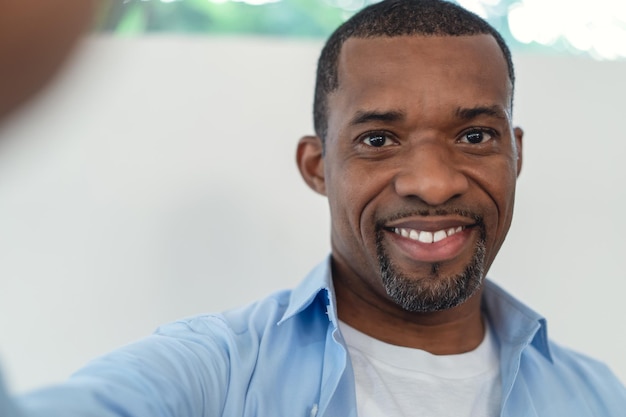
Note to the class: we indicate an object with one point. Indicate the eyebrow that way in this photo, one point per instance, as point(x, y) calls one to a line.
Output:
point(465, 113)
point(473, 112)
point(362, 117)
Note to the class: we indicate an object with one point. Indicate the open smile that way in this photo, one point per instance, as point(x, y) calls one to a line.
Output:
point(426, 236)
point(431, 240)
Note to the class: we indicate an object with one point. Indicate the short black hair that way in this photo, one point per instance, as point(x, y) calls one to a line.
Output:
point(395, 18)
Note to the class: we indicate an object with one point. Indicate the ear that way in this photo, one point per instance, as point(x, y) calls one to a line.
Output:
point(310, 159)
point(519, 135)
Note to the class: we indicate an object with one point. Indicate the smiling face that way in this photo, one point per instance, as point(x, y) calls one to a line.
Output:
point(419, 166)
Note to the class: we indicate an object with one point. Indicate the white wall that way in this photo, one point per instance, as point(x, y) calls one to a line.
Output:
point(157, 179)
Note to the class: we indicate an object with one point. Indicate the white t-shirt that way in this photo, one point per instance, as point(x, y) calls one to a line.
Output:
point(396, 381)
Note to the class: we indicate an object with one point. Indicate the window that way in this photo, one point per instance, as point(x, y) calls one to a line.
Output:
point(596, 28)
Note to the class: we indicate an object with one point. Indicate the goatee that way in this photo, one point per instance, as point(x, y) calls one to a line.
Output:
point(433, 292)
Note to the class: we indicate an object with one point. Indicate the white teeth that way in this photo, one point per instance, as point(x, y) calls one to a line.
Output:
point(439, 235)
point(425, 236)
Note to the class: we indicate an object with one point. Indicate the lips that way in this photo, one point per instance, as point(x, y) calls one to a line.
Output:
point(431, 238)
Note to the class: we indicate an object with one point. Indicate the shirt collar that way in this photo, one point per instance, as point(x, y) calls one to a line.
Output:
point(317, 281)
point(513, 322)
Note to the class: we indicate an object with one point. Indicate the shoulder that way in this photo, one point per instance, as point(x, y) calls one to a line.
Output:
point(175, 367)
point(589, 371)
point(572, 380)
point(300, 310)
point(556, 378)
point(229, 325)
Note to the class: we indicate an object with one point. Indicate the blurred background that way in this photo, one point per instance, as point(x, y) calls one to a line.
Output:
point(156, 178)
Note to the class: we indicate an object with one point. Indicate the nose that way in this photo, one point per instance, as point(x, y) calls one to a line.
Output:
point(431, 173)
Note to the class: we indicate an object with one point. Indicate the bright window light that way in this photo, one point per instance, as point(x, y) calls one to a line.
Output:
point(251, 2)
point(597, 27)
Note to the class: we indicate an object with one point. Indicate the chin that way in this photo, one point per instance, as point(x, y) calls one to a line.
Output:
point(436, 290)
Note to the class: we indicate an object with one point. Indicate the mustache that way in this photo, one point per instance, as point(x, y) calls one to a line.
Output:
point(477, 218)
point(458, 211)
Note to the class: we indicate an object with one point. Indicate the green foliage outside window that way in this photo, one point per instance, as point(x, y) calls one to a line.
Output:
point(603, 35)
point(298, 18)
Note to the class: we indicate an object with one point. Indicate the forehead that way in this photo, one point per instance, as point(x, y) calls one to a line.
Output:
point(425, 73)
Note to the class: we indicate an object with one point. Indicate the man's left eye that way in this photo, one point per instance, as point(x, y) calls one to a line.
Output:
point(477, 136)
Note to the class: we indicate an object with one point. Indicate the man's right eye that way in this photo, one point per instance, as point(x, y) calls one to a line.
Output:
point(376, 140)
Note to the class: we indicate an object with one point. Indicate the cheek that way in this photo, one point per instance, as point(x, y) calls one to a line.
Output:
point(506, 190)
point(345, 195)
point(501, 190)
point(353, 189)
point(342, 199)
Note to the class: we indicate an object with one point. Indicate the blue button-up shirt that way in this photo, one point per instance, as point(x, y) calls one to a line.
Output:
point(7, 406)
point(284, 356)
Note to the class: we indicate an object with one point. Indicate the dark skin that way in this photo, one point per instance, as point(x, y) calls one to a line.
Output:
point(35, 39)
point(420, 139)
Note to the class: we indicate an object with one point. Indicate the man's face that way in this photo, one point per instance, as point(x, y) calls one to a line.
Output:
point(420, 167)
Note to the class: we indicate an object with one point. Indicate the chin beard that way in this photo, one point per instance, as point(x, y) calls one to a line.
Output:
point(434, 292)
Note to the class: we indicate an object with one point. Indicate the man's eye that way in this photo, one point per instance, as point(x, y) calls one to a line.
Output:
point(377, 140)
point(476, 136)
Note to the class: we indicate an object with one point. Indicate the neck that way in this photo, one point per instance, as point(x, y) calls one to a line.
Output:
point(452, 331)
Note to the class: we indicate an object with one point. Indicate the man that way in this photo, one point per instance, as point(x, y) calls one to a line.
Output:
point(416, 152)
point(35, 39)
